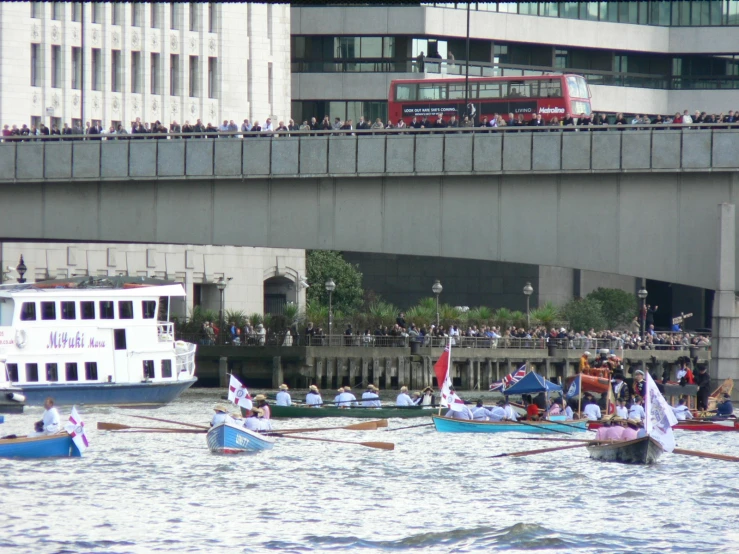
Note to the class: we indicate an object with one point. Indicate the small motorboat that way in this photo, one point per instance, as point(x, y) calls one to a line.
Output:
point(644, 450)
point(45, 446)
point(228, 438)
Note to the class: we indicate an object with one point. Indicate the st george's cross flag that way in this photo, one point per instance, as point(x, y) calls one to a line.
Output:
point(444, 379)
point(509, 380)
point(659, 416)
point(76, 429)
point(238, 394)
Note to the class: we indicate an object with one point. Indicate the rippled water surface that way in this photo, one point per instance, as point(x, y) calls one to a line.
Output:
point(433, 493)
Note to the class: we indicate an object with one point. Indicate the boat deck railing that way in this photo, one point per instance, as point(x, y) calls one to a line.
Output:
point(185, 359)
point(165, 331)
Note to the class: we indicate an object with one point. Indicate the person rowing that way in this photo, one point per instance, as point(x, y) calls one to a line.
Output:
point(403, 399)
point(49, 424)
point(370, 398)
point(255, 421)
point(261, 402)
point(283, 397)
point(313, 398)
point(346, 399)
point(681, 411)
point(221, 415)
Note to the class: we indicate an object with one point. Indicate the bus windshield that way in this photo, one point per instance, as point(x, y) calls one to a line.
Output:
point(577, 87)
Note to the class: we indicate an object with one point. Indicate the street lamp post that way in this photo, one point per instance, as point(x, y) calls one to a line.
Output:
point(437, 288)
point(528, 290)
point(330, 287)
point(21, 269)
point(222, 289)
point(642, 294)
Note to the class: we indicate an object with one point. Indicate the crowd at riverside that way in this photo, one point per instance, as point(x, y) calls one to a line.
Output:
point(402, 333)
point(434, 123)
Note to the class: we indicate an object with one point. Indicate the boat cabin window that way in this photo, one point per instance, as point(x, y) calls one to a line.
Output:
point(166, 368)
point(119, 338)
point(149, 308)
point(87, 310)
point(68, 310)
point(32, 373)
point(28, 311)
point(6, 312)
point(48, 310)
point(52, 372)
point(12, 370)
point(149, 369)
point(125, 309)
point(71, 371)
point(91, 371)
point(106, 309)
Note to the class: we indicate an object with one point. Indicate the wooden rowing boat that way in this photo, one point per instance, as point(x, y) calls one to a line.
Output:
point(46, 446)
point(227, 438)
point(364, 413)
point(644, 450)
point(449, 425)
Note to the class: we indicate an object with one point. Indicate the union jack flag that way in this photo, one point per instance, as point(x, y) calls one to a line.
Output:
point(509, 380)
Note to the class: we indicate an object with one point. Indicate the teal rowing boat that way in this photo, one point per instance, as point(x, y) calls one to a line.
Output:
point(448, 425)
point(385, 412)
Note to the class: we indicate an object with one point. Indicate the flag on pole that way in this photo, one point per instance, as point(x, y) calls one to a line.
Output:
point(238, 394)
point(444, 380)
point(76, 430)
point(575, 388)
point(659, 416)
point(509, 380)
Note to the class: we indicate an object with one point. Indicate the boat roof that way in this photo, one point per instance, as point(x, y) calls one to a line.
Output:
point(94, 286)
point(532, 383)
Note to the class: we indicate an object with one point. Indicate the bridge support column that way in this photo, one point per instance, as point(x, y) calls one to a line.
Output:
point(725, 340)
point(277, 373)
point(223, 372)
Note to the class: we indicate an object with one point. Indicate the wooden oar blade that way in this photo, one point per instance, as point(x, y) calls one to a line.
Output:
point(540, 451)
point(381, 423)
point(382, 445)
point(364, 426)
point(172, 422)
point(711, 455)
point(103, 426)
point(180, 431)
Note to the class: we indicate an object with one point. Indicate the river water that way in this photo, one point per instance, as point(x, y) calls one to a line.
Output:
point(434, 493)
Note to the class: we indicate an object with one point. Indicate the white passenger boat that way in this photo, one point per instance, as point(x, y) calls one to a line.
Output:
point(93, 341)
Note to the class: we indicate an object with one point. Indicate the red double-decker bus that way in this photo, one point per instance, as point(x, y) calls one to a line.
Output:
point(548, 95)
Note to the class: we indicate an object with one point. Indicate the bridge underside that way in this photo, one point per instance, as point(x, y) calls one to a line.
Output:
point(661, 226)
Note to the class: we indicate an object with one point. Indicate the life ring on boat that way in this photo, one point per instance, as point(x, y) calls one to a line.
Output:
point(21, 338)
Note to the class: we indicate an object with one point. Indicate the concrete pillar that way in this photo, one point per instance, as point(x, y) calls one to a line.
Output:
point(330, 373)
point(365, 371)
point(376, 372)
point(402, 374)
point(388, 373)
point(318, 375)
point(223, 372)
point(277, 375)
point(725, 340)
point(353, 371)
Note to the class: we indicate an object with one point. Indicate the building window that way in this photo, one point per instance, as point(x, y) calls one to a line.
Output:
point(116, 71)
point(156, 79)
point(213, 77)
point(106, 309)
point(136, 72)
point(116, 15)
point(96, 63)
point(212, 17)
point(97, 12)
point(77, 12)
point(36, 9)
point(194, 77)
point(125, 309)
point(12, 370)
point(154, 11)
point(149, 309)
point(32, 373)
point(174, 14)
point(71, 371)
point(48, 310)
point(193, 16)
point(68, 310)
point(166, 369)
point(136, 15)
point(52, 372)
point(149, 369)
point(174, 75)
point(91, 371)
point(56, 11)
point(35, 51)
point(87, 310)
point(76, 67)
point(56, 66)
point(119, 339)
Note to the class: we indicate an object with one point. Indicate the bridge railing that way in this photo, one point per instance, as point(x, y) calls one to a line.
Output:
point(377, 152)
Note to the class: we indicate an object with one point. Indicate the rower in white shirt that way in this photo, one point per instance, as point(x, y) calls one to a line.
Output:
point(403, 399)
point(498, 413)
point(592, 411)
point(255, 421)
point(458, 411)
point(283, 397)
point(49, 424)
point(480, 412)
point(636, 412)
point(221, 415)
point(370, 398)
point(313, 398)
point(682, 412)
point(346, 399)
point(621, 410)
point(510, 412)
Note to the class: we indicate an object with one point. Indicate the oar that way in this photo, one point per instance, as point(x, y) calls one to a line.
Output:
point(540, 451)
point(162, 430)
point(700, 454)
point(569, 425)
point(557, 439)
point(364, 426)
point(411, 427)
point(173, 422)
point(381, 423)
point(103, 426)
point(381, 445)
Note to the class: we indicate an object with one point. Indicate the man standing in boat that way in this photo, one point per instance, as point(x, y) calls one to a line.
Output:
point(639, 383)
point(49, 424)
point(620, 388)
point(704, 382)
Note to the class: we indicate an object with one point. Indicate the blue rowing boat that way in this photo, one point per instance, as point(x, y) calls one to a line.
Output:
point(47, 446)
point(449, 425)
point(228, 438)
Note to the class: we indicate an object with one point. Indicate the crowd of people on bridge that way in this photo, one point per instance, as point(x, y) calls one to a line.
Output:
point(431, 122)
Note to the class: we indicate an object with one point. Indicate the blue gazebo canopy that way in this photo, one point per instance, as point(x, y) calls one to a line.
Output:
point(532, 383)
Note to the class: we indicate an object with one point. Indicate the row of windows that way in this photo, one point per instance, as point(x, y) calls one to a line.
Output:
point(116, 71)
point(513, 89)
point(97, 14)
point(68, 310)
point(662, 12)
point(71, 372)
point(371, 110)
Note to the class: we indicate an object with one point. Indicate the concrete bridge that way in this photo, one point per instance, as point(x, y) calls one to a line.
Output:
point(636, 203)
